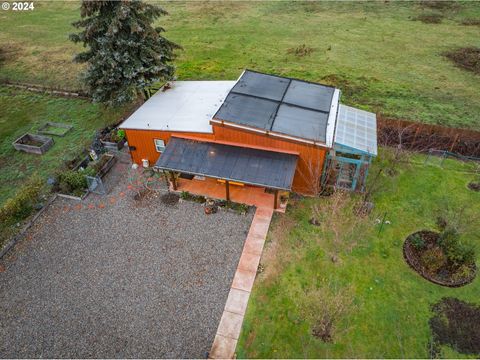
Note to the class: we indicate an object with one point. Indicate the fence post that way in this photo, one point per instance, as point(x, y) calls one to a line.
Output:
point(453, 143)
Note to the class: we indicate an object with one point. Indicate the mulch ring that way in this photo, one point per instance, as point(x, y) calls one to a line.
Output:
point(443, 276)
point(456, 323)
point(144, 197)
point(467, 58)
point(170, 199)
point(475, 186)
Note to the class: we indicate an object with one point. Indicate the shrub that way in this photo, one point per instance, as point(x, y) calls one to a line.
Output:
point(417, 242)
point(463, 272)
point(456, 252)
point(117, 135)
point(442, 222)
point(433, 259)
point(185, 195)
point(71, 181)
point(20, 206)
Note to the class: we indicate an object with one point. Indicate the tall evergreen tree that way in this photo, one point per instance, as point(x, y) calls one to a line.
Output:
point(125, 53)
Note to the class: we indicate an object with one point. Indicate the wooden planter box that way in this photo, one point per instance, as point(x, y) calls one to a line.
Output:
point(83, 163)
point(114, 146)
point(107, 166)
point(49, 129)
point(73, 197)
point(44, 143)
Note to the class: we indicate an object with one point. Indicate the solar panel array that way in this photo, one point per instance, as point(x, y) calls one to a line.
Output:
point(356, 129)
point(273, 103)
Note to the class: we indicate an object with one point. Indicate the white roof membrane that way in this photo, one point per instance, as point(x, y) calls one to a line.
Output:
point(356, 129)
point(187, 106)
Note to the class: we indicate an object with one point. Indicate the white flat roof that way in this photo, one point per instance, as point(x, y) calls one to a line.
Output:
point(186, 106)
point(357, 129)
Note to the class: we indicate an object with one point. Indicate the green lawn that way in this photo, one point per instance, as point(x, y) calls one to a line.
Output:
point(22, 111)
point(381, 59)
point(386, 304)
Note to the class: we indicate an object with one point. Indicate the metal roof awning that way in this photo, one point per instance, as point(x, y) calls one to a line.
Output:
point(234, 163)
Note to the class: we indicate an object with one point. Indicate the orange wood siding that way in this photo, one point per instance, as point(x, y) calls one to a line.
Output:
point(143, 141)
point(311, 157)
point(309, 166)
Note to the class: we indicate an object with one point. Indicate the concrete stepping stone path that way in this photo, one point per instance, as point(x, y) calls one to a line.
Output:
point(230, 325)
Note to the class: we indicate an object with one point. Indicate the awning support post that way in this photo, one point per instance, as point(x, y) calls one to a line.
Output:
point(275, 202)
point(165, 175)
point(174, 181)
point(227, 189)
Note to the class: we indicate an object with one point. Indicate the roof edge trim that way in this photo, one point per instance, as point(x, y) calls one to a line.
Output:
point(232, 143)
point(269, 133)
point(221, 178)
point(332, 119)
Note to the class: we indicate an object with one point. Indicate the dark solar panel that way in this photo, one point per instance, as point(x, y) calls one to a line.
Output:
point(309, 95)
point(246, 165)
point(273, 103)
point(247, 110)
point(303, 123)
point(261, 85)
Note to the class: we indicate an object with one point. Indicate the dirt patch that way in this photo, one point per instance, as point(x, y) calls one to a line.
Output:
point(423, 253)
point(440, 5)
point(144, 197)
point(351, 88)
point(429, 18)
point(455, 324)
point(8, 53)
point(470, 22)
point(300, 51)
point(31, 142)
point(466, 58)
point(170, 199)
point(475, 186)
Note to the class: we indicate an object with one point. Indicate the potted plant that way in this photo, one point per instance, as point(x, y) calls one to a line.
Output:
point(113, 139)
point(210, 207)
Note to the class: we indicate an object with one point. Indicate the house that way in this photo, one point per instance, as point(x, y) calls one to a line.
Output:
point(263, 131)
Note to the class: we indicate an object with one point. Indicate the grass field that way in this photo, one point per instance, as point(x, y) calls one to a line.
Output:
point(22, 112)
point(375, 52)
point(387, 305)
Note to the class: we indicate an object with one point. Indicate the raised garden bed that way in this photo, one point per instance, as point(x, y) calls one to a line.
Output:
point(72, 183)
point(423, 253)
point(53, 128)
point(34, 144)
point(113, 139)
point(475, 186)
point(114, 145)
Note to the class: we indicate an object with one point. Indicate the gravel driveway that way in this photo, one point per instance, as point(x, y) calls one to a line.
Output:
point(112, 278)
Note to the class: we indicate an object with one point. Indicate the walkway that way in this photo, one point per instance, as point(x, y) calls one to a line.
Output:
point(230, 325)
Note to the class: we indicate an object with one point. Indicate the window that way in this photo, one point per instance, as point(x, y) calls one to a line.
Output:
point(159, 145)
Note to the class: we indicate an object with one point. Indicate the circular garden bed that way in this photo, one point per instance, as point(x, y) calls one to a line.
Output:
point(440, 257)
point(475, 186)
